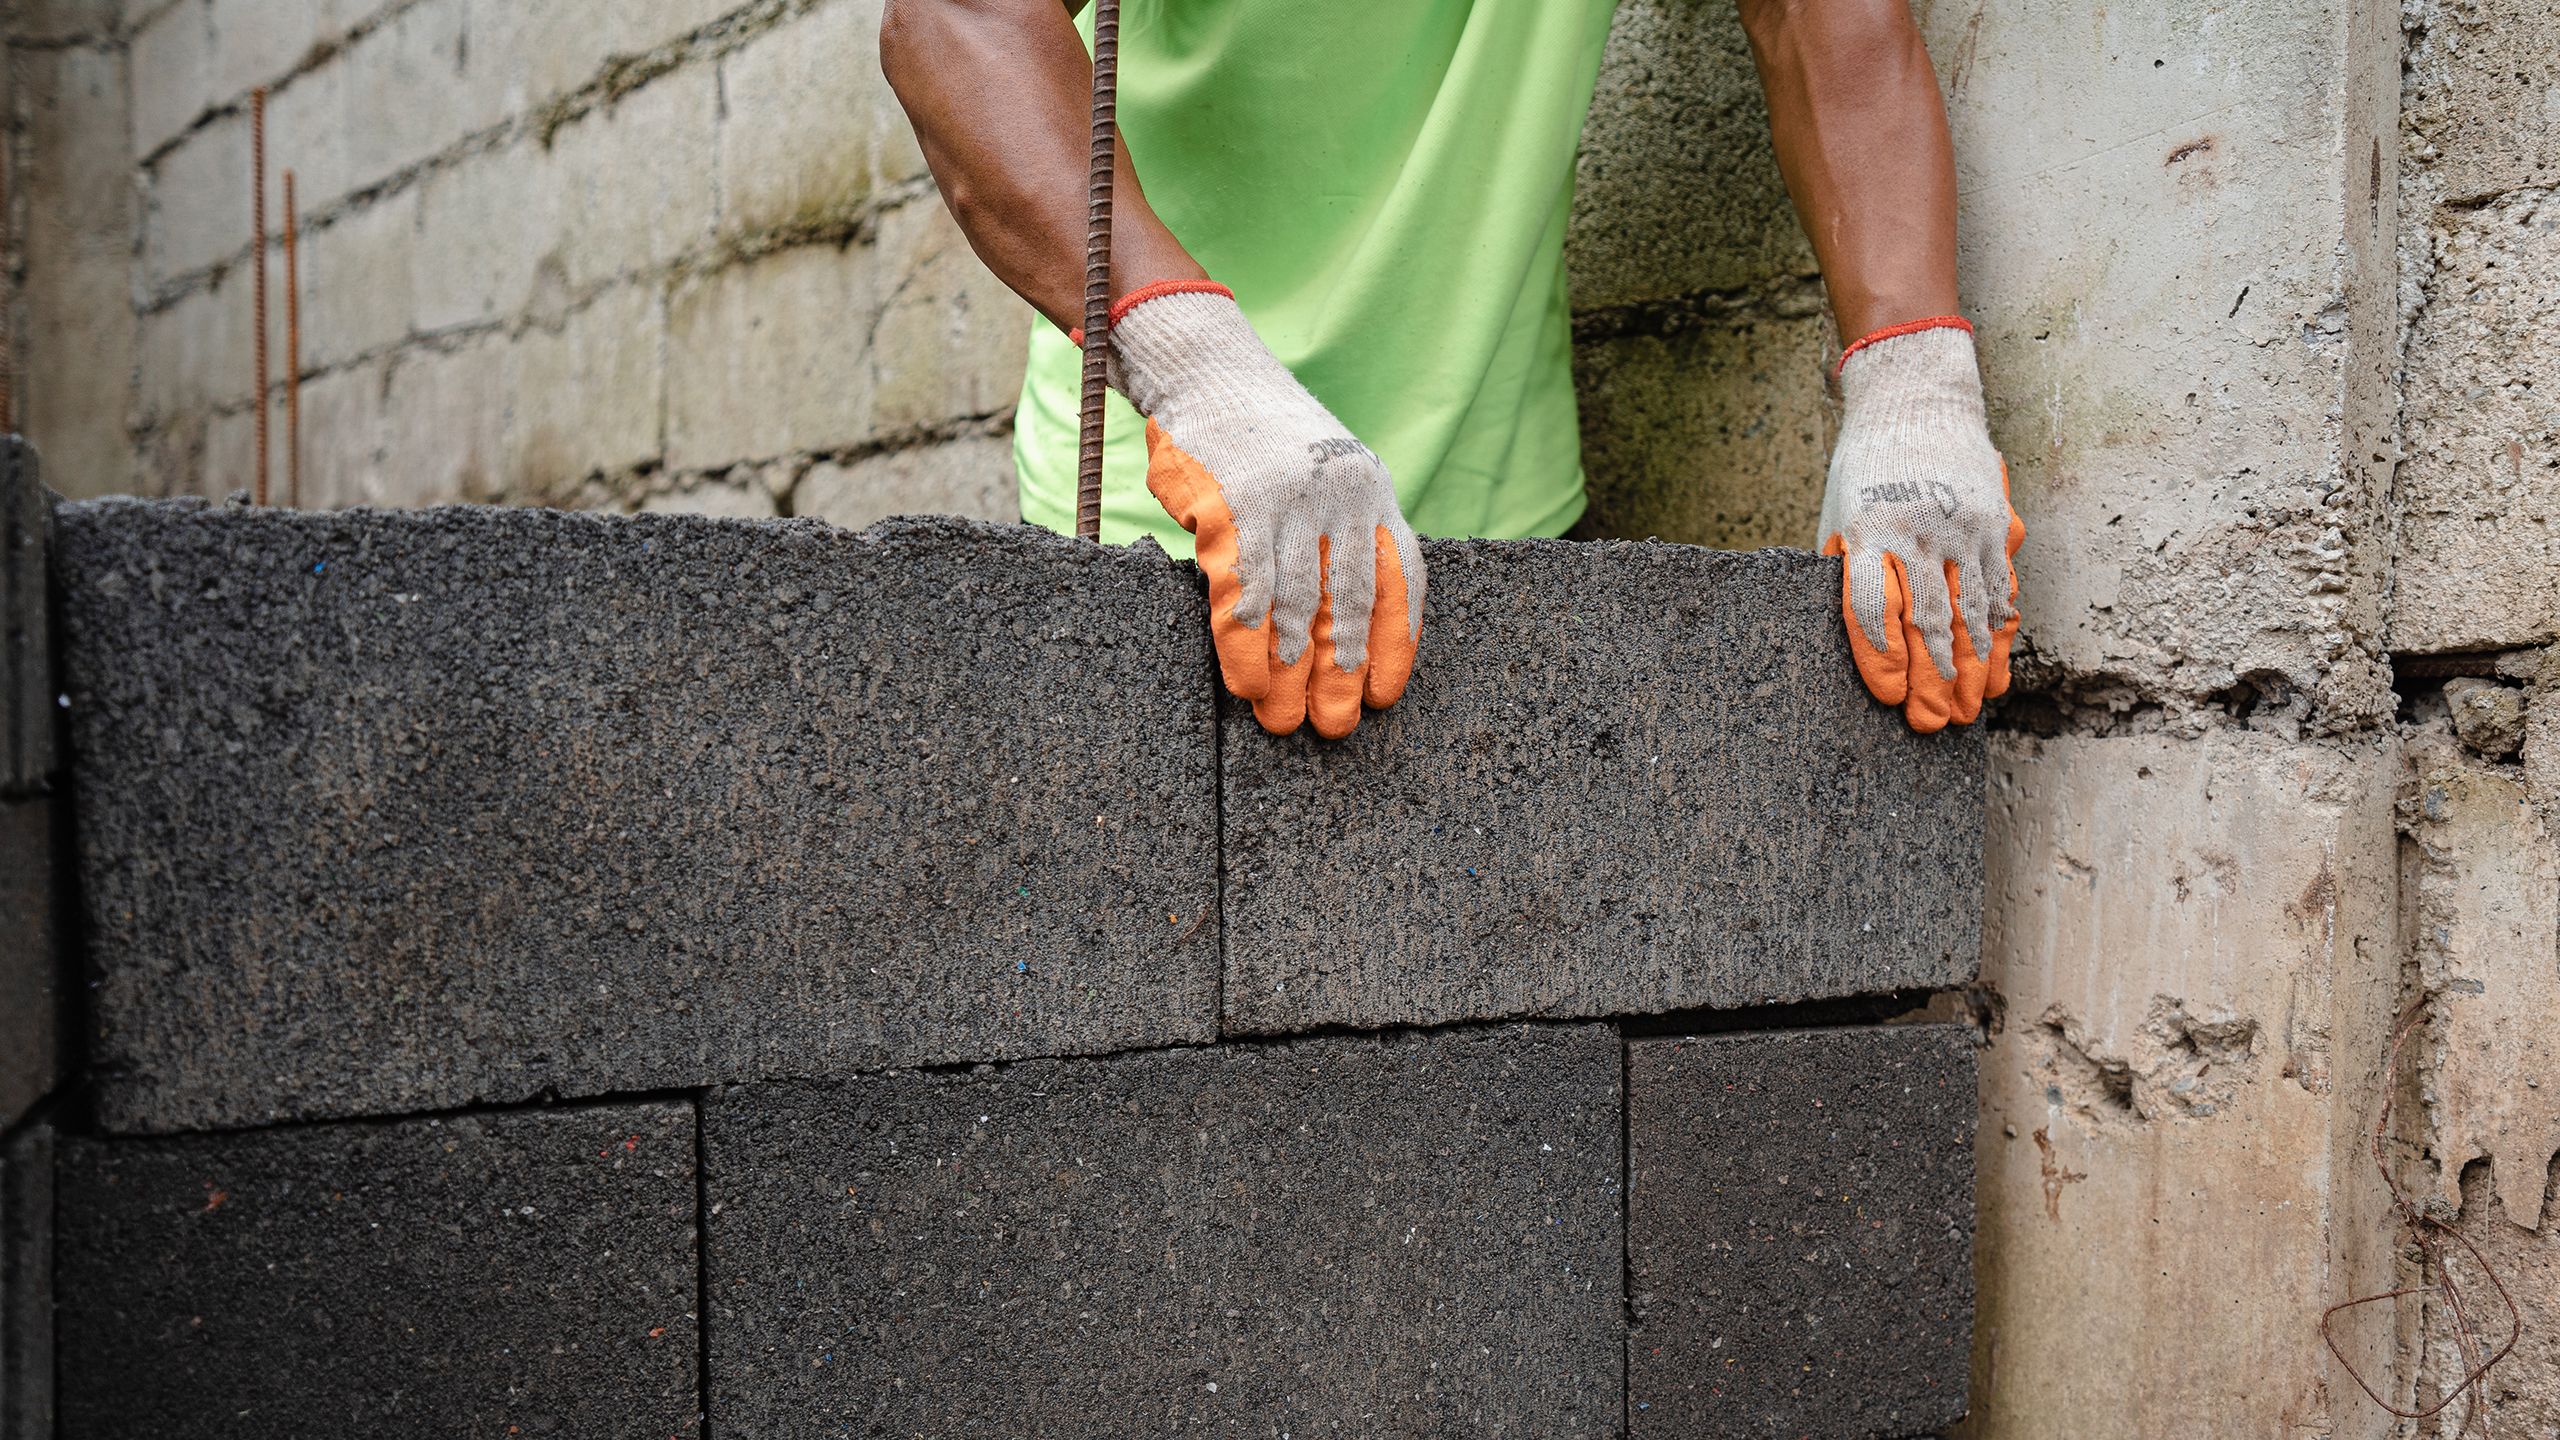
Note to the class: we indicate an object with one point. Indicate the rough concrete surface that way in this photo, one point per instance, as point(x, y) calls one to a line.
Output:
point(390, 811)
point(27, 757)
point(1626, 778)
point(1800, 1232)
point(2524, 1391)
point(527, 1273)
point(32, 985)
point(26, 1284)
point(2191, 943)
point(2484, 878)
point(1410, 1236)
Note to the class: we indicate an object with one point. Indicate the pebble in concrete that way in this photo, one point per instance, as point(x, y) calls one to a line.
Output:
point(1412, 1236)
point(1799, 1228)
point(1627, 778)
point(529, 1273)
point(389, 811)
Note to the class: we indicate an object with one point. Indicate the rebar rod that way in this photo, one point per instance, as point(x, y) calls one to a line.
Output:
point(1097, 265)
point(292, 352)
point(258, 261)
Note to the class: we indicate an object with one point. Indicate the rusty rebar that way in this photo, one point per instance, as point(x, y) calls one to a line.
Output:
point(2426, 1232)
point(292, 352)
point(258, 263)
point(1097, 265)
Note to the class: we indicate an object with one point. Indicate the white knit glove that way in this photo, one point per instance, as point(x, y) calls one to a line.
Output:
point(1919, 504)
point(1315, 579)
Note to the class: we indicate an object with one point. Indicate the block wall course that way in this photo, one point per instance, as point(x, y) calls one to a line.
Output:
point(32, 988)
point(393, 811)
point(1799, 1232)
point(1627, 778)
point(73, 370)
point(1410, 1236)
point(969, 476)
point(528, 1273)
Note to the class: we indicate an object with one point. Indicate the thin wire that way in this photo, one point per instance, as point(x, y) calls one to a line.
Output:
point(1097, 265)
point(2427, 1233)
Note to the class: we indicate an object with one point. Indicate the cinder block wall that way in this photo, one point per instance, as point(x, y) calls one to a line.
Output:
point(606, 975)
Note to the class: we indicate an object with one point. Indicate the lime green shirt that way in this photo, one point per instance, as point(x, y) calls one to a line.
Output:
point(1384, 185)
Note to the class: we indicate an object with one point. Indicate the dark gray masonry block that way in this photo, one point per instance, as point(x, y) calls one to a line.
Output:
point(26, 1284)
point(1627, 778)
point(1410, 1236)
point(1800, 1233)
point(388, 811)
point(31, 956)
point(26, 658)
point(529, 1273)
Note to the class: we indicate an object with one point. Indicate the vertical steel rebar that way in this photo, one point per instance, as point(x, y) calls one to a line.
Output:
point(1097, 265)
point(258, 260)
point(292, 352)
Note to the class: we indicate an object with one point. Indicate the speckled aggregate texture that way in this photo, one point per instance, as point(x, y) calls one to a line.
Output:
point(389, 811)
point(26, 1284)
point(1411, 1236)
point(31, 960)
point(1627, 778)
point(521, 1274)
point(1799, 1233)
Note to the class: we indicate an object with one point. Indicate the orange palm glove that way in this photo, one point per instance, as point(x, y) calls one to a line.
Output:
point(1918, 504)
point(1315, 579)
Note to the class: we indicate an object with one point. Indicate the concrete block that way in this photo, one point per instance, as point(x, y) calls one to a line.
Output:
point(386, 811)
point(1401, 1236)
point(811, 133)
point(637, 179)
point(343, 456)
point(2479, 490)
point(2485, 895)
point(589, 397)
point(949, 343)
point(527, 56)
point(26, 1284)
point(444, 427)
point(1626, 778)
point(75, 368)
point(527, 1273)
point(360, 282)
point(489, 231)
point(2484, 98)
point(1800, 1232)
point(2178, 247)
point(196, 56)
point(189, 350)
point(972, 476)
point(2189, 940)
point(772, 358)
point(32, 978)
point(61, 22)
point(195, 202)
point(727, 499)
point(28, 754)
point(400, 94)
point(1714, 435)
point(1676, 190)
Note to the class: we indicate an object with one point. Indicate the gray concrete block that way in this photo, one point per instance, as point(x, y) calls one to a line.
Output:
point(32, 986)
point(1410, 1236)
point(529, 1273)
point(26, 1284)
point(1800, 1232)
point(397, 811)
point(1626, 778)
point(26, 663)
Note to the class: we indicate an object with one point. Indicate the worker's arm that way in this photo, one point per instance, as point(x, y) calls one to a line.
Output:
point(1918, 498)
point(1315, 579)
point(1001, 93)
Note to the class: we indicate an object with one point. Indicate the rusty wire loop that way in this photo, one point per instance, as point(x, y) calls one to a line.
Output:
point(1097, 265)
point(2427, 1233)
point(258, 262)
point(292, 352)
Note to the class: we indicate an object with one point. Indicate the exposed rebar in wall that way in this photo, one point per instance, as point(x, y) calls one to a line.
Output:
point(292, 352)
point(258, 260)
point(1097, 265)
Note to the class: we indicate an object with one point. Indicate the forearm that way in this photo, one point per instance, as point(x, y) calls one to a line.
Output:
point(999, 92)
point(1861, 136)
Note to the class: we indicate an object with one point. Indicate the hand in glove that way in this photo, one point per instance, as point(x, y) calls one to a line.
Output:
point(1315, 579)
point(1919, 504)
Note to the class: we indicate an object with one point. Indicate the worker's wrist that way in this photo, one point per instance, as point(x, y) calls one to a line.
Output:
point(1883, 333)
point(1155, 289)
point(1189, 344)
